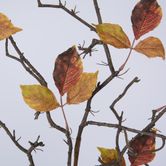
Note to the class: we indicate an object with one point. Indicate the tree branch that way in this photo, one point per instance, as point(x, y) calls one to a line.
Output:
point(28, 152)
point(87, 111)
point(70, 12)
point(132, 130)
point(34, 73)
point(106, 49)
point(112, 107)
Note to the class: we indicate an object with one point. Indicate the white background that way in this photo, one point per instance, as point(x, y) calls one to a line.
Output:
point(48, 32)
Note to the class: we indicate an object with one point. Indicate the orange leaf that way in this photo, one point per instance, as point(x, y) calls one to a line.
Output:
point(113, 34)
point(141, 148)
point(151, 47)
point(68, 69)
point(83, 89)
point(6, 27)
point(39, 97)
point(146, 15)
point(109, 156)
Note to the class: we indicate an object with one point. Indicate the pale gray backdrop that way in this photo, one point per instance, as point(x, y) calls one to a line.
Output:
point(48, 32)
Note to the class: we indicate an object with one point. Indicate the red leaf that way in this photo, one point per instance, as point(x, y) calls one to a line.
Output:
point(68, 69)
point(141, 148)
point(146, 15)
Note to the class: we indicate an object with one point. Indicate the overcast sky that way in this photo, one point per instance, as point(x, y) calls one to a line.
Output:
point(48, 32)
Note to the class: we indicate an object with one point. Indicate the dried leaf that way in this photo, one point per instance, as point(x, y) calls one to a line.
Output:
point(83, 89)
point(141, 148)
point(113, 34)
point(151, 47)
point(39, 98)
point(109, 156)
point(67, 71)
point(146, 15)
point(6, 27)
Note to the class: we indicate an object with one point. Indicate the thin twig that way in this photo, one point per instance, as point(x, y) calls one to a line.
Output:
point(129, 54)
point(70, 12)
point(28, 152)
point(106, 49)
point(112, 107)
point(85, 116)
point(32, 71)
point(90, 48)
point(110, 125)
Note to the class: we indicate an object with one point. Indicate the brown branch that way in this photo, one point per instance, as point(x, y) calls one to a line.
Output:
point(70, 12)
point(148, 128)
point(28, 152)
point(112, 107)
point(25, 63)
point(110, 125)
point(87, 111)
point(90, 48)
point(34, 73)
point(106, 49)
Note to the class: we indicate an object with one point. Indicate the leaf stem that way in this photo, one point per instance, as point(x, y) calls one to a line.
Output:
point(63, 112)
point(131, 49)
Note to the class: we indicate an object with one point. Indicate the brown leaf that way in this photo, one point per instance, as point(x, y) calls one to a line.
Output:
point(83, 89)
point(146, 15)
point(68, 69)
point(113, 34)
point(151, 47)
point(6, 27)
point(141, 150)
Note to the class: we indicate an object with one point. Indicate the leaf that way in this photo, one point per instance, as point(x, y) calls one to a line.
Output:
point(109, 156)
point(39, 97)
point(68, 69)
point(83, 89)
point(141, 148)
point(146, 16)
point(6, 27)
point(151, 47)
point(113, 34)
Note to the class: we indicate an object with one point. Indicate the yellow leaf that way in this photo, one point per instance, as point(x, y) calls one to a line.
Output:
point(6, 27)
point(151, 47)
point(39, 97)
point(83, 89)
point(113, 34)
point(109, 156)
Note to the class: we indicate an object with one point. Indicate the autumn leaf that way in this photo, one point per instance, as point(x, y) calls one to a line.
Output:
point(146, 15)
point(83, 89)
point(141, 148)
point(113, 34)
point(68, 69)
point(39, 97)
point(109, 156)
point(6, 27)
point(151, 47)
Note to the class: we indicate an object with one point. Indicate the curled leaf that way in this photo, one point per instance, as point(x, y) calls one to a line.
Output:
point(141, 150)
point(68, 69)
point(83, 89)
point(151, 47)
point(146, 16)
point(109, 156)
point(39, 97)
point(6, 27)
point(113, 34)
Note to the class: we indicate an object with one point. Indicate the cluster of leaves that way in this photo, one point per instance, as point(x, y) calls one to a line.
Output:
point(70, 79)
point(146, 15)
